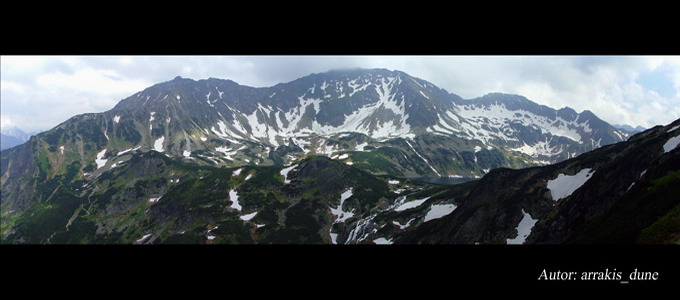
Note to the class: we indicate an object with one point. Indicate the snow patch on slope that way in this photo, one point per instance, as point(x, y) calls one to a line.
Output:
point(421, 157)
point(671, 144)
point(438, 211)
point(538, 149)
point(284, 172)
point(360, 147)
point(226, 151)
point(248, 217)
point(411, 204)
point(523, 229)
point(141, 240)
point(233, 197)
point(402, 227)
point(151, 118)
point(99, 160)
point(564, 185)
point(674, 128)
point(339, 211)
point(158, 144)
point(128, 150)
point(382, 241)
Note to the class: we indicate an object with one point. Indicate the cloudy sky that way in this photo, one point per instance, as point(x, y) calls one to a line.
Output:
point(39, 92)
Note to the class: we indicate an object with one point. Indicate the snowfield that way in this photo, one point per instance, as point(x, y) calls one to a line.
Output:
point(285, 172)
point(99, 160)
point(248, 217)
point(671, 144)
point(146, 236)
point(439, 210)
point(361, 147)
point(411, 204)
point(158, 144)
point(523, 229)
point(339, 212)
point(382, 241)
point(402, 227)
point(128, 150)
point(233, 196)
point(564, 185)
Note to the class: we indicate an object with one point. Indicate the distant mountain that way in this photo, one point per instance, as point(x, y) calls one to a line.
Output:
point(375, 122)
point(13, 136)
point(630, 128)
point(8, 141)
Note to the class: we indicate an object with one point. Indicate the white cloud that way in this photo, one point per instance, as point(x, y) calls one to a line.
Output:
point(6, 121)
point(31, 85)
point(10, 86)
point(97, 82)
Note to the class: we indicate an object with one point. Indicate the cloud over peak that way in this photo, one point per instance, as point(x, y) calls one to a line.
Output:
point(635, 90)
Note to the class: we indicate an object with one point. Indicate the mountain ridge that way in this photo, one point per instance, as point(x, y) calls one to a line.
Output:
point(156, 199)
point(267, 110)
point(382, 122)
point(626, 195)
point(13, 136)
point(219, 122)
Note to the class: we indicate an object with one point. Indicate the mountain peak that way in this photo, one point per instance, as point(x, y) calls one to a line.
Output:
point(629, 128)
point(379, 103)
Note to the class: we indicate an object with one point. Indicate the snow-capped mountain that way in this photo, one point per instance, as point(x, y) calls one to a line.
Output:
point(13, 136)
point(629, 128)
point(342, 112)
point(518, 124)
point(215, 161)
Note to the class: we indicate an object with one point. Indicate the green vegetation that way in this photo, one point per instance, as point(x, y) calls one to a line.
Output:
point(646, 215)
point(666, 230)
point(375, 163)
point(178, 239)
point(232, 232)
point(8, 222)
point(43, 220)
point(53, 137)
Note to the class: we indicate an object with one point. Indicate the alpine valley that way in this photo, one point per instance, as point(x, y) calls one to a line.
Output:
point(343, 157)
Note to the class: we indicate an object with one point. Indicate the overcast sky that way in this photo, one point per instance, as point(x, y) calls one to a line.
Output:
point(39, 92)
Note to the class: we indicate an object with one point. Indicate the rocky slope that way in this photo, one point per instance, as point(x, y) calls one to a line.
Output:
point(621, 193)
point(376, 122)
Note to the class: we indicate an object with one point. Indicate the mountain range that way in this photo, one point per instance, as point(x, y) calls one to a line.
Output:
point(13, 136)
point(629, 128)
point(336, 157)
